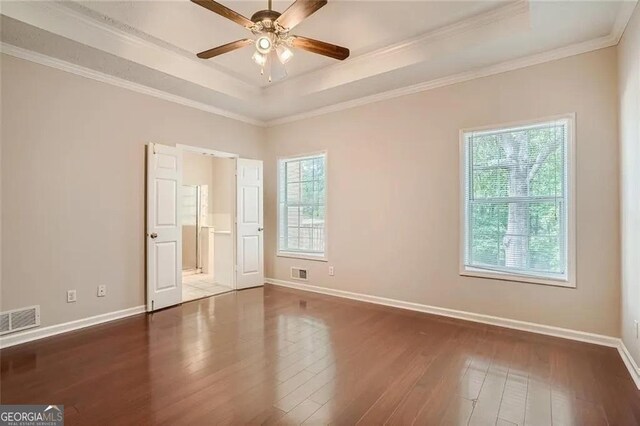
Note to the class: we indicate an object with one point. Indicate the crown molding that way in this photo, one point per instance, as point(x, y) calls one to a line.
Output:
point(514, 9)
point(564, 52)
point(69, 67)
point(56, 18)
point(132, 34)
point(512, 65)
point(623, 18)
point(403, 53)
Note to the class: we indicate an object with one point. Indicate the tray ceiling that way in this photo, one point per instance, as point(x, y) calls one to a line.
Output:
point(394, 45)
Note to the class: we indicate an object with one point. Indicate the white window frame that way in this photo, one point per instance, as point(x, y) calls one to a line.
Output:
point(570, 188)
point(301, 254)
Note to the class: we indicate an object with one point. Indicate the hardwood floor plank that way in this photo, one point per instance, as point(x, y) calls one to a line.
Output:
point(489, 401)
point(300, 413)
point(396, 390)
point(514, 399)
point(458, 412)
point(446, 364)
point(277, 356)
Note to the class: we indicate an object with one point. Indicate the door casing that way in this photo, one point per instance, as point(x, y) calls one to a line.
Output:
point(213, 153)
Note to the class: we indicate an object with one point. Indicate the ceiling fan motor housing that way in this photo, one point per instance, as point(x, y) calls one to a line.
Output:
point(266, 18)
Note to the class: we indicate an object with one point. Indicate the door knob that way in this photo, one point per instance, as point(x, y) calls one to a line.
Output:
point(260, 229)
point(154, 235)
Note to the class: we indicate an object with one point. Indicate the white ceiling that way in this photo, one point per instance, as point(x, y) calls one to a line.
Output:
point(361, 26)
point(394, 44)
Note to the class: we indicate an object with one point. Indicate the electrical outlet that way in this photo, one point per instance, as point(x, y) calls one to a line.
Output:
point(71, 296)
point(102, 290)
point(331, 272)
point(635, 324)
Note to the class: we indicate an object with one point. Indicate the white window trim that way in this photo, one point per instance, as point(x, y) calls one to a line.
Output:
point(570, 281)
point(301, 254)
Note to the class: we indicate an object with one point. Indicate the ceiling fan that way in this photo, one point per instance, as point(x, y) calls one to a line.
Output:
point(273, 41)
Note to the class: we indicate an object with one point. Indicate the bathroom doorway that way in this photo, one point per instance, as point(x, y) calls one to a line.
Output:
point(208, 206)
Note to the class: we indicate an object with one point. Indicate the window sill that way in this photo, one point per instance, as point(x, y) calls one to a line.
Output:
point(293, 255)
point(496, 275)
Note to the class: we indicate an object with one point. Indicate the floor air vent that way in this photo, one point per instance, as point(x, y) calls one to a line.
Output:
point(299, 274)
point(19, 319)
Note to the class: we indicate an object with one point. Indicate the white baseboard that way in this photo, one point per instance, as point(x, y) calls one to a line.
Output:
point(630, 363)
point(548, 330)
point(469, 316)
point(52, 330)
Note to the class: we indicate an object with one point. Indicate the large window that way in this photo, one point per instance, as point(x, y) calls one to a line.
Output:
point(301, 210)
point(517, 218)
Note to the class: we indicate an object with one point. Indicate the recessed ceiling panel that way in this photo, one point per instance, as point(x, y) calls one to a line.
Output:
point(362, 26)
point(393, 44)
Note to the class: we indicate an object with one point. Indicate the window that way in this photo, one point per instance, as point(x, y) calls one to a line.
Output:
point(301, 210)
point(517, 218)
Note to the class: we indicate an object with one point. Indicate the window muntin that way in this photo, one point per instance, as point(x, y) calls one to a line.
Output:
point(302, 206)
point(516, 212)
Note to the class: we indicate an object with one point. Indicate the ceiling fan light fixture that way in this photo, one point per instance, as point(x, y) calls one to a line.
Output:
point(259, 58)
point(264, 44)
point(284, 54)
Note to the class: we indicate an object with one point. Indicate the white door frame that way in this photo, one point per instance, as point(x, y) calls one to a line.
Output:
point(234, 231)
point(211, 152)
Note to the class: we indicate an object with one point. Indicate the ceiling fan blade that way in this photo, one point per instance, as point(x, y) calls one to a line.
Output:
point(224, 11)
point(320, 47)
point(298, 11)
point(224, 48)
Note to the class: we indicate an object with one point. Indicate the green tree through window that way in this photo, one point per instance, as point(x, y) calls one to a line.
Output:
point(302, 205)
point(516, 212)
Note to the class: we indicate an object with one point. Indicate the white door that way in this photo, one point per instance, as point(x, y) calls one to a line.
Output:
point(250, 254)
point(164, 233)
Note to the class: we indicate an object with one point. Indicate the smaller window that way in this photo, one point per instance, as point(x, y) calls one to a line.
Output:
point(517, 203)
point(301, 207)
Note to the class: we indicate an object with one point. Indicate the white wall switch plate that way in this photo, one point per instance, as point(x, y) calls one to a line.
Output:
point(102, 290)
point(331, 272)
point(71, 296)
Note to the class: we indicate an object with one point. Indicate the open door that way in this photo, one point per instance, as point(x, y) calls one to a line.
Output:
point(250, 245)
point(164, 233)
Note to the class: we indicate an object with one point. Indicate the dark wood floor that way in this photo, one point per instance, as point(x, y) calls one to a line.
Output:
point(276, 356)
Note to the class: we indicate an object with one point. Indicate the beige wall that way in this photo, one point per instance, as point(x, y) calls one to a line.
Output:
point(73, 189)
point(629, 86)
point(197, 169)
point(222, 193)
point(73, 185)
point(393, 193)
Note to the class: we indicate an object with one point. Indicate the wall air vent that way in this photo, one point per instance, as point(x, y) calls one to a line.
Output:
point(299, 274)
point(19, 319)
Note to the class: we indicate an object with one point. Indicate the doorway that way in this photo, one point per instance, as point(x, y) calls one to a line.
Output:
point(208, 195)
point(204, 224)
